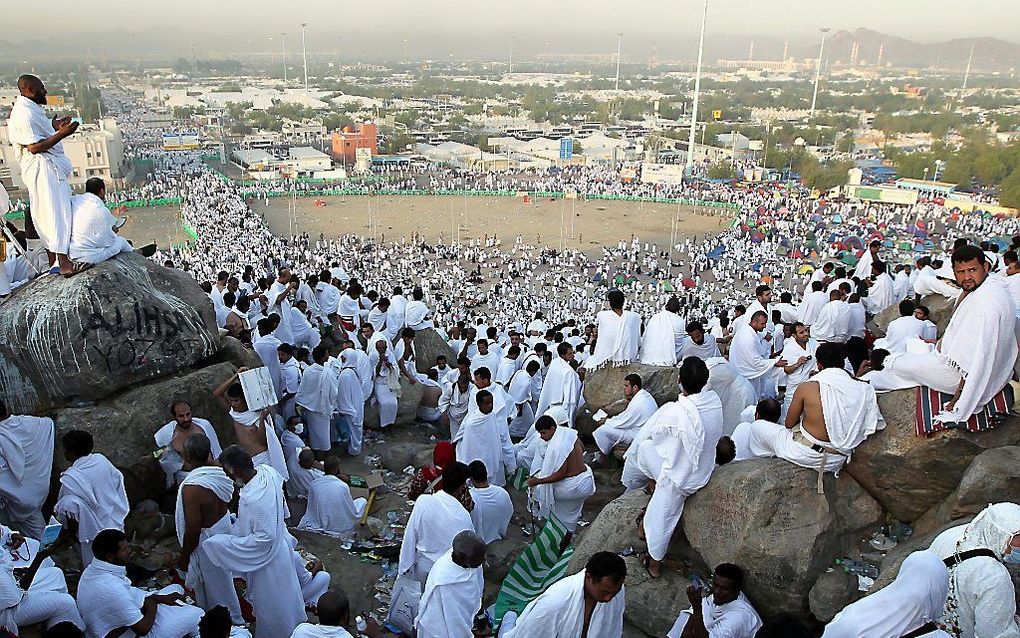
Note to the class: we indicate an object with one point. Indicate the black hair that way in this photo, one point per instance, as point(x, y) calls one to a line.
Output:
point(606, 565)
point(454, 476)
point(633, 379)
point(78, 442)
point(693, 375)
point(107, 543)
point(477, 471)
point(769, 410)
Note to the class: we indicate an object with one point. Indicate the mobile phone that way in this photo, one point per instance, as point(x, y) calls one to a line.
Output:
point(50, 535)
point(697, 583)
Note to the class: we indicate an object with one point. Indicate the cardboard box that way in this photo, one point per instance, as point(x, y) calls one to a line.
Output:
point(361, 486)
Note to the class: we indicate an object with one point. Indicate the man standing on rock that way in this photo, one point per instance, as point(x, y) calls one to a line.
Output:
point(259, 546)
point(171, 439)
point(201, 512)
point(562, 386)
point(720, 610)
point(45, 169)
point(26, 448)
point(589, 604)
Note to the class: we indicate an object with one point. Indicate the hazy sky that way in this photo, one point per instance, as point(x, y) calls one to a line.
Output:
point(924, 20)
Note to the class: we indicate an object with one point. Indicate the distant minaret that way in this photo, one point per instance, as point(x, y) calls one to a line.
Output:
point(966, 75)
point(750, 52)
point(881, 52)
point(854, 51)
point(786, 51)
point(653, 60)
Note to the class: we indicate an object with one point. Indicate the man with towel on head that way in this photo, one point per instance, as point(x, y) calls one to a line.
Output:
point(26, 449)
point(92, 496)
point(664, 335)
point(619, 334)
point(259, 546)
point(830, 415)
point(589, 604)
point(975, 358)
point(478, 438)
point(254, 429)
point(201, 512)
point(622, 428)
point(562, 386)
point(453, 591)
point(519, 389)
point(559, 477)
point(674, 454)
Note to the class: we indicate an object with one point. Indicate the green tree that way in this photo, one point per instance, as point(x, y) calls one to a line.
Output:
point(1009, 190)
point(722, 169)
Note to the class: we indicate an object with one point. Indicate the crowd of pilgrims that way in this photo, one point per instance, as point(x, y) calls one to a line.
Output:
point(773, 360)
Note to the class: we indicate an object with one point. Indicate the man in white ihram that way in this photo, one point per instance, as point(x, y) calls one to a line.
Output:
point(562, 386)
point(92, 238)
point(561, 480)
point(622, 428)
point(331, 508)
point(493, 507)
point(92, 496)
point(26, 459)
point(45, 168)
point(674, 453)
point(453, 591)
point(749, 357)
point(619, 335)
point(664, 336)
point(975, 358)
point(259, 546)
point(435, 520)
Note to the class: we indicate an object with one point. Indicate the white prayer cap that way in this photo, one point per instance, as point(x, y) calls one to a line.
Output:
point(558, 414)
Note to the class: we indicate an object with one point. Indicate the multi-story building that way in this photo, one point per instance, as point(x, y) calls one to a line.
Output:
point(348, 141)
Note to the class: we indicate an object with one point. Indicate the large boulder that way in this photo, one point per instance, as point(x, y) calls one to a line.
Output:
point(237, 353)
point(833, 591)
point(993, 477)
point(123, 425)
point(909, 474)
point(767, 516)
point(407, 405)
point(124, 321)
point(427, 346)
point(603, 388)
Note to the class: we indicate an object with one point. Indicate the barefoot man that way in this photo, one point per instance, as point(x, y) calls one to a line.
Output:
point(253, 428)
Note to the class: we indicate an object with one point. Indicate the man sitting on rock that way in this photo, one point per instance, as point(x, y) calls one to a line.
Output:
point(975, 357)
point(621, 429)
point(673, 456)
point(698, 343)
point(26, 448)
point(331, 508)
point(93, 239)
point(720, 610)
point(830, 415)
point(171, 439)
point(588, 604)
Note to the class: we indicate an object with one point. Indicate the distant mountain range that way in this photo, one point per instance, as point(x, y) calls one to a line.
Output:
point(989, 53)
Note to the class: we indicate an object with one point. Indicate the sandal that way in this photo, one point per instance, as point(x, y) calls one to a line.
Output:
point(646, 562)
point(639, 521)
point(77, 267)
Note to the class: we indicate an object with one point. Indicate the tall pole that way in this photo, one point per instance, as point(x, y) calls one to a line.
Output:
point(304, 54)
point(818, 71)
point(283, 40)
point(689, 168)
point(619, 51)
point(510, 70)
point(966, 76)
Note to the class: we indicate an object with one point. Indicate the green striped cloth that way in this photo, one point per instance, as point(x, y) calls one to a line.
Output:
point(520, 479)
point(538, 566)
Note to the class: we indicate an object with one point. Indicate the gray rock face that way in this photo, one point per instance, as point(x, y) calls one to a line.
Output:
point(124, 321)
point(993, 477)
point(427, 346)
point(234, 351)
point(123, 425)
point(766, 516)
point(833, 591)
point(603, 388)
point(909, 474)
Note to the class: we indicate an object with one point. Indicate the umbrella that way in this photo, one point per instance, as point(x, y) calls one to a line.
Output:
point(854, 243)
point(687, 282)
point(756, 267)
point(848, 258)
point(796, 254)
point(805, 269)
point(667, 286)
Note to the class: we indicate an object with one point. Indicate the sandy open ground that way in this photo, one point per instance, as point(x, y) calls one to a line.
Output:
point(157, 224)
point(392, 217)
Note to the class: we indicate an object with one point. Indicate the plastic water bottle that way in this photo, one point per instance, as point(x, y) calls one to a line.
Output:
point(857, 568)
point(361, 624)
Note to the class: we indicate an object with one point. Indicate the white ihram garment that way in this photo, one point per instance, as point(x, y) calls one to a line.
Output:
point(478, 440)
point(622, 428)
point(492, 512)
point(259, 549)
point(762, 439)
point(618, 339)
point(26, 460)
point(562, 387)
point(450, 600)
point(435, 520)
point(663, 332)
point(559, 613)
point(92, 237)
point(747, 360)
point(735, 619)
point(735, 392)
point(564, 498)
point(273, 456)
point(171, 460)
point(45, 174)
point(331, 508)
point(92, 493)
point(212, 584)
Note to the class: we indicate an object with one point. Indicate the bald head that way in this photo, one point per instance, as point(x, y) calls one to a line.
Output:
point(333, 609)
point(468, 549)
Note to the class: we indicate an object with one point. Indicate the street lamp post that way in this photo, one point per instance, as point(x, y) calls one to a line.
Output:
point(689, 168)
point(619, 51)
point(283, 40)
point(304, 54)
point(818, 71)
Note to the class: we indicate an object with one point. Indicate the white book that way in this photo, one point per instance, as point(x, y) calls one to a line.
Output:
point(257, 385)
